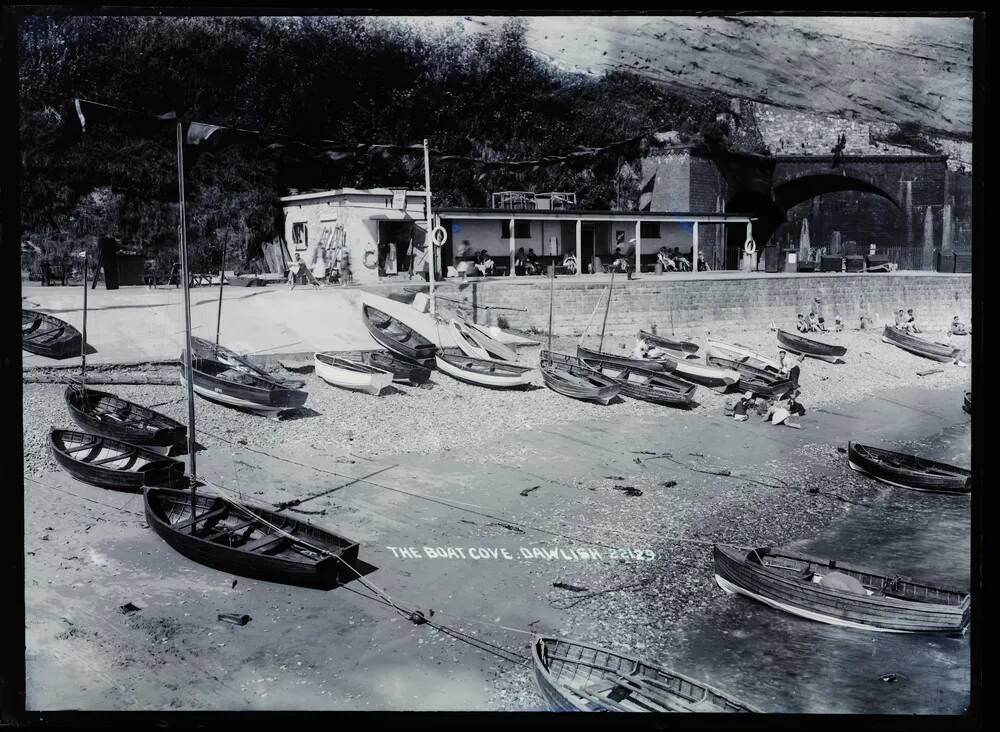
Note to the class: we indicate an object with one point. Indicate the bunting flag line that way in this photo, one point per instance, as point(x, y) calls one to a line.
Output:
point(217, 136)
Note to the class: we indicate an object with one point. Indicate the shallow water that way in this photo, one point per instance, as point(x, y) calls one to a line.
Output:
point(783, 663)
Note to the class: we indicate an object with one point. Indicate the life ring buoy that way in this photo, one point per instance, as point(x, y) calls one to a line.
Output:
point(750, 246)
point(439, 236)
point(374, 261)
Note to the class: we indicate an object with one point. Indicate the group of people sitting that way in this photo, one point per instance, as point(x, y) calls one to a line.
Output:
point(776, 411)
point(815, 322)
point(526, 264)
point(906, 321)
point(481, 261)
point(676, 262)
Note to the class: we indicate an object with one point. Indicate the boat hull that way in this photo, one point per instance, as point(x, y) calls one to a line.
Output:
point(742, 356)
point(645, 385)
point(402, 369)
point(337, 372)
point(491, 345)
point(669, 344)
point(804, 597)
point(567, 376)
point(565, 670)
point(50, 336)
point(658, 365)
point(266, 402)
point(482, 372)
point(162, 434)
point(202, 348)
point(468, 345)
point(811, 348)
point(136, 466)
point(710, 376)
point(292, 568)
point(909, 342)
point(920, 475)
point(398, 337)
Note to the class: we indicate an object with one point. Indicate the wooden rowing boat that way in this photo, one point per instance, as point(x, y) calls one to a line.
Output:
point(47, 335)
point(578, 677)
point(397, 336)
point(759, 381)
point(567, 376)
point(490, 342)
point(660, 364)
point(812, 348)
point(202, 348)
point(716, 350)
point(110, 463)
point(839, 595)
point(403, 370)
point(908, 471)
point(967, 402)
point(106, 414)
point(222, 383)
point(669, 344)
point(248, 540)
point(466, 343)
point(942, 352)
point(351, 374)
point(646, 385)
point(714, 377)
point(482, 372)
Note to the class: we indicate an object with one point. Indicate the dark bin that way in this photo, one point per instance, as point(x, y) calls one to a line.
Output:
point(831, 264)
point(854, 263)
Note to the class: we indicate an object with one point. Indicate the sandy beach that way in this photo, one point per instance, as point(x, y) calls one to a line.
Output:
point(643, 490)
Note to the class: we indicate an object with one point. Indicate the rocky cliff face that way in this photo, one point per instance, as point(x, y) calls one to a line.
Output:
point(909, 71)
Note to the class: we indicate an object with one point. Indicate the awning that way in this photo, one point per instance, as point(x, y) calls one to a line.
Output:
point(393, 216)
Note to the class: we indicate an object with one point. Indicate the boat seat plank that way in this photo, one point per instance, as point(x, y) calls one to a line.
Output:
point(128, 454)
point(201, 517)
point(643, 699)
point(599, 701)
point(230, 530)
point(79, 448)
point(654, 693)
point(263, 542)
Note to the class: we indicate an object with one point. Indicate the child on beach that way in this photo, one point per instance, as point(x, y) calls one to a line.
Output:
point(958, 327)
point(801, 325)
point(741, 407)
point(911, 322)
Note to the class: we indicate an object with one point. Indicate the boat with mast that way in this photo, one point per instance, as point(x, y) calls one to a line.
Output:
point(226, 534)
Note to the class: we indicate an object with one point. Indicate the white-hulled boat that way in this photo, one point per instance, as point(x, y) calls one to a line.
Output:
point(465, 341)
point(353, 375)
point(482, 372)
point(489, 343)
point(711, 376)
point(743, 355)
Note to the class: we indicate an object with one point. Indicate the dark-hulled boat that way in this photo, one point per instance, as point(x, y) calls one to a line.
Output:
point(47, 335)
point(967, 402)
point(403, 370)
point(222, 383)
point(578, 677)
point(397, 336)
point(812, 348)
point(839, 595)
point(250, 541)
point(565, 375)
point(106, 414)
point(663, 364)
point(202, 348)
point(942, 352)
point(908, 471)
point(669, 344)
point(645, 385)
point(482, 372)
point(109, 463)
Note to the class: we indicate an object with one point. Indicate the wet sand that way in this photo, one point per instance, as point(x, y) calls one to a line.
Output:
point(89, 552)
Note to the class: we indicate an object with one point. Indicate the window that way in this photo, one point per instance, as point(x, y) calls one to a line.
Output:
point(300, 236)
point(522, 229)
point(650, 229)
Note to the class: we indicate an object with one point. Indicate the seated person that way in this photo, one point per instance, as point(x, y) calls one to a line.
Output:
point(484, 263)
point(781, 411)
point(569, 262)
point(681, 261)
point(802, 325)
point(911, 322)
point(958, 328)
point(531, 262)
point(838, 324)
point(742, 407)
point(702, 264)
point(665, 261)
point(816, 323)
point(900, 319)
point(520, 260)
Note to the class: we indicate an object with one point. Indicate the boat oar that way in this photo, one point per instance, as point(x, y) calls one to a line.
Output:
point(291, 504)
